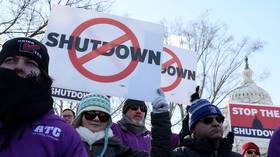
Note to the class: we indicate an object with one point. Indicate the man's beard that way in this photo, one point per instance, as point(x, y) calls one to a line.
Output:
point(22, 102)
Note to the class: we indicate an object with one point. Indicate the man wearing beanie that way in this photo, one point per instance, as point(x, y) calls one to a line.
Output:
point(250, 149)
point(28, 125)
point(206, 129)
point(93, 122)
point(131, 128)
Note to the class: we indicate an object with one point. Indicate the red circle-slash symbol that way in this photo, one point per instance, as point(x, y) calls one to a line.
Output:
point(78, 62)
point(173, 60)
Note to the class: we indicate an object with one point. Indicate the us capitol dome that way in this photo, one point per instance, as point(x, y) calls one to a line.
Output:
point(248, 91)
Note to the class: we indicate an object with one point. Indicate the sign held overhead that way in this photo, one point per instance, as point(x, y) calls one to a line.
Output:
point(105, 54)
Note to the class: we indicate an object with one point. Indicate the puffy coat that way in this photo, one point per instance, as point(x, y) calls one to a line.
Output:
point(161, 147)
point(115, 149)
point(141, 142)
point(203, 148)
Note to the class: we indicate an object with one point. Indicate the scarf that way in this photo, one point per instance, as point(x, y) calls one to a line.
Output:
point(127, 125)
point(91, 137)
point(23, 101)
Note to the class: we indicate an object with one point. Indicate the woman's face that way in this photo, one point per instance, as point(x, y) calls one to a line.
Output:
point(95, 121)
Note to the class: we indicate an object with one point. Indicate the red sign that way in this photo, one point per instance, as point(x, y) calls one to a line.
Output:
point(78, 62)
point(254, 120)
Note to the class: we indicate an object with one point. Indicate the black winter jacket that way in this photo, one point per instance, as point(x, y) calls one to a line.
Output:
point(203, 148)
point(161, 146)
point(115, 149)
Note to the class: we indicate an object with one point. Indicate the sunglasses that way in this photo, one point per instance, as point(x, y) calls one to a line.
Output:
point(102, 116)
point(209, 120)
point(251, 152)
point(135, 107)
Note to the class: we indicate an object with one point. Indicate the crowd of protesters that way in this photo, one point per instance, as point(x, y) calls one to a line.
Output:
point(29, 127)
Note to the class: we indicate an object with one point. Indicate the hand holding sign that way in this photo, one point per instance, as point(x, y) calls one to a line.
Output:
point(160, 104)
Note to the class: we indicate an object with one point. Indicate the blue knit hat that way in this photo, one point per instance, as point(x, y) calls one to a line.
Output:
point(93, 102)
point(201, 108)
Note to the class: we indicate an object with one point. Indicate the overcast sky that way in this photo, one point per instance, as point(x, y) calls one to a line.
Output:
point(257, 19)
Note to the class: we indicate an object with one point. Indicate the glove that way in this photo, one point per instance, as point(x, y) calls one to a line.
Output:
point(160, 104)
point(226, 144)
point(185, 131)
point(195, 95)
point(230, 137)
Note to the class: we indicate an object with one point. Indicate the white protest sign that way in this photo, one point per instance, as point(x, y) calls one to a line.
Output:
point(102, 53)
point(178, 74)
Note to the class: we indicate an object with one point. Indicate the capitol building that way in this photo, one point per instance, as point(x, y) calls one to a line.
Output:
point(248, 92)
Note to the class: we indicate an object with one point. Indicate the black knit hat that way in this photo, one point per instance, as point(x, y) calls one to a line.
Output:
point(28, 47)
point(130, 102)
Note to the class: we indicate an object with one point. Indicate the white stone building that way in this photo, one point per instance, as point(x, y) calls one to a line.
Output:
point(248, 92)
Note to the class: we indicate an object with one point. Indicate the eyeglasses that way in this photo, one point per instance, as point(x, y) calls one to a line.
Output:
point(251, 152)
point(102, 116)
point(135, 107)
point(209, 120)
point(67, 116)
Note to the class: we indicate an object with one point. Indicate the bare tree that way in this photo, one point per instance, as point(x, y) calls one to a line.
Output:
point(30, 17)
point(219, 55)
